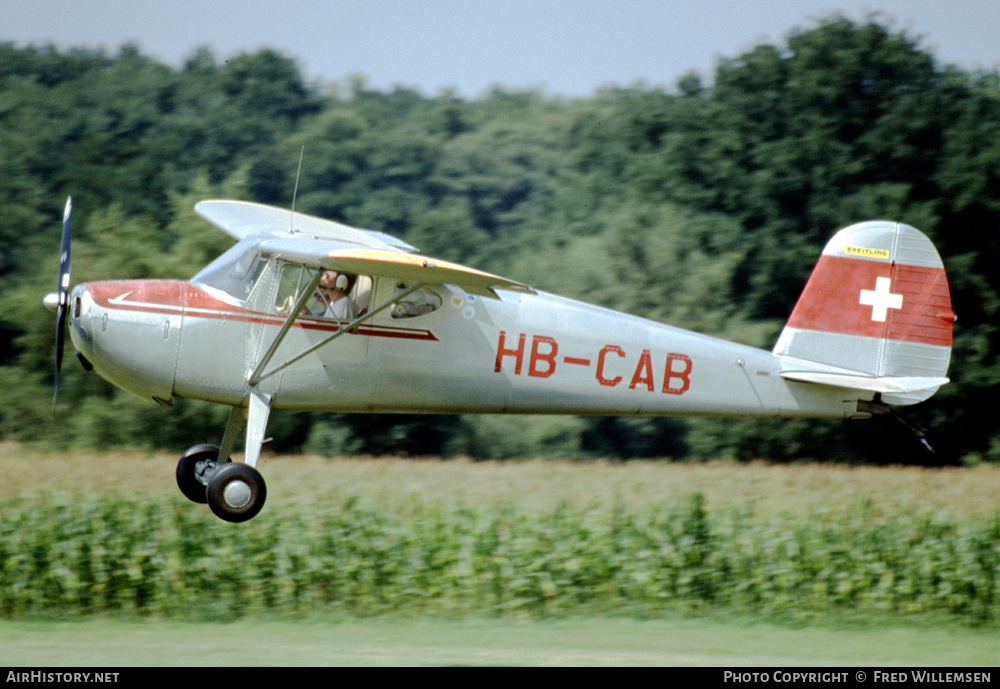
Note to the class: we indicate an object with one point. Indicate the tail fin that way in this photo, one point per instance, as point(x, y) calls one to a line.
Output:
point(875, 315)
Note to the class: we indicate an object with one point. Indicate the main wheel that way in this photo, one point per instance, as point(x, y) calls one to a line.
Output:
point(236, 492)
point(194, 470)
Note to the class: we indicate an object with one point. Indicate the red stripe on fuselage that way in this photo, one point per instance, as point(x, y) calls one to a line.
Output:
point(176, 296)
point(831, 301)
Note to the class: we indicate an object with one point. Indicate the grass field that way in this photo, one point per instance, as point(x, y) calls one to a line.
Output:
point(302, 484)
point(534, 485)
point(565, 642)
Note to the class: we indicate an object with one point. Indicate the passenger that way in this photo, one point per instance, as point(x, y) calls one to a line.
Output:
point(332, 291)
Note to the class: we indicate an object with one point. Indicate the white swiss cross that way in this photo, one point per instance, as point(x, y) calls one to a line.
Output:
point(881, 299)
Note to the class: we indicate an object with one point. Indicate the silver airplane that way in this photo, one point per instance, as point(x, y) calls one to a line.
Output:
point(307, 314)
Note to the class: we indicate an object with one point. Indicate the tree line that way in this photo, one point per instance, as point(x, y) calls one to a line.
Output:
point(703, 206)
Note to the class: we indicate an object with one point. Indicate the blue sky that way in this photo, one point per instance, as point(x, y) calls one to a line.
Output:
point(565, 47)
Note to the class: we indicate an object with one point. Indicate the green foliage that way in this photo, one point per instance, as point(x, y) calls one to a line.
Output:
point(705, 208)
point(161, 558)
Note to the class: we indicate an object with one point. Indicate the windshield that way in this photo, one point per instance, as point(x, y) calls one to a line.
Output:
point(234, 272)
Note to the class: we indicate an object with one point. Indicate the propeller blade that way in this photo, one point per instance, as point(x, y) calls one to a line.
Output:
point(63, 293)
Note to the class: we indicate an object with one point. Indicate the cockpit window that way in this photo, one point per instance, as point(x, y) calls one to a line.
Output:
point(235, 272)
point(424, 300)
point(340, 296)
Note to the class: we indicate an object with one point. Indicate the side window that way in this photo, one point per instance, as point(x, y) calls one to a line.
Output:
point(293, 280)
point(424, 300)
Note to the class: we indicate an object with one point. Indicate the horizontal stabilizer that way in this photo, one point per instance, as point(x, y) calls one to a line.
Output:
point(894, 385)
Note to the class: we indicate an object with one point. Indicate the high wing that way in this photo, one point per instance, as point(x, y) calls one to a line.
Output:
point(407, 267)
point(242, 219)
point(318, 243)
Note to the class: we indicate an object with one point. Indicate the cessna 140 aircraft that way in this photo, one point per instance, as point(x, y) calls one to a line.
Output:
point(256, 330)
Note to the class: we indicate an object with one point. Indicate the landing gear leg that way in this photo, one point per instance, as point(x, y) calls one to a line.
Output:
point(234, 426)
point(236, 492)
point(257, 414)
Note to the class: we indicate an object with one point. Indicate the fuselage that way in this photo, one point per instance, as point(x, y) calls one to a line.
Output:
point(464, 353)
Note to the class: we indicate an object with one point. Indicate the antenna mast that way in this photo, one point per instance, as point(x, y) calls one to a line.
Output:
point(295, 192)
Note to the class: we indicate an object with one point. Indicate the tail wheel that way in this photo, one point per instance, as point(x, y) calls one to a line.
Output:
point(194, 470)
point(236, 492)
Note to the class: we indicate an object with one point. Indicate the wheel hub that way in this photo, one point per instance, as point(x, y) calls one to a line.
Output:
point(237, 494)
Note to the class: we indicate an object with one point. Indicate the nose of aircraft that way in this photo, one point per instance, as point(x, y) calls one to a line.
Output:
point(129, 332)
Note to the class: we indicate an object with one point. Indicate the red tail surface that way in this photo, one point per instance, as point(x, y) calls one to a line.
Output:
point(875, 314)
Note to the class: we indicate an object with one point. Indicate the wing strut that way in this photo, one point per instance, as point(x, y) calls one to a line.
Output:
point(255, 377)
point(258, 373)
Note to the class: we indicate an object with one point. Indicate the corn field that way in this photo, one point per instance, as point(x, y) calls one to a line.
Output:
point(163, 557)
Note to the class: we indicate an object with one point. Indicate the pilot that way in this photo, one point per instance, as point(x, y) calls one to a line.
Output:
point(333, 289)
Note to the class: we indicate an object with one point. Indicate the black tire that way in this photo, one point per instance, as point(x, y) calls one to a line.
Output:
point(194, 469)
point(236, 493)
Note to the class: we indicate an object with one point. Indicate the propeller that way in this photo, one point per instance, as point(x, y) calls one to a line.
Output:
point(62, 295)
